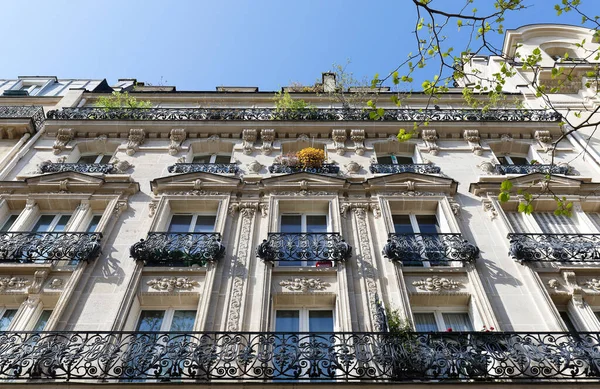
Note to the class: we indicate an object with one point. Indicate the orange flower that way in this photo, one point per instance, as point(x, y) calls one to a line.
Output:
point(311, 157)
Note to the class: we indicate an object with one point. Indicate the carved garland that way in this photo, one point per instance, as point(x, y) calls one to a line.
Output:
point(12, 282)
point(171, 283)
point(304, 284)
point(437, 284)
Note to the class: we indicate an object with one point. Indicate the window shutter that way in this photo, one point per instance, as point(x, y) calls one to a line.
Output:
point(516, 221)
point(552, 224)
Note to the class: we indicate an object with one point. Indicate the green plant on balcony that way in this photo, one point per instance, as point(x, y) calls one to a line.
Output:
point(286, 107)
point(121, 100)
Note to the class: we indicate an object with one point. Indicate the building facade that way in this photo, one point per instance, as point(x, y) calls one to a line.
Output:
point(184, 245)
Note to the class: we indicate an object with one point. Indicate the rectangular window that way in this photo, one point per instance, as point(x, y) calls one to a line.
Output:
point(95, 159)
point(51, 223)
point(513, 160)
point(93, 223)
point(549, 223)
point(299, 224)
point(41, 322)
point(395, 160)
point(215, 158)
point(7, 318)
point(8, 223)
point(166, 320)
point(442, 321)
point(427, 247)
point(192, 223)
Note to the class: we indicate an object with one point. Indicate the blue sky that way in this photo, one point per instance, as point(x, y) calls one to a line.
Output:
point(197, 44)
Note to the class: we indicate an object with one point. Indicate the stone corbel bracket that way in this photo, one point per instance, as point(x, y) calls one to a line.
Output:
point(177, 137)
point(488, 206)
point(267, 135)
point(249, 137)
point(135, 139)
point(339, 137)
point(472, 137)
point(430, 138)
point(358, 137)
point(373, 207)
point(63, 136)
point(544, 139)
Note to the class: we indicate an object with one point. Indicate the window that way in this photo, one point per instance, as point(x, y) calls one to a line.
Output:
point(416, 224)
point(426, 248)
point(93, 223)
point(8, 223)
point(303, 320)
point(42, 321)
point(299, 224)
point(192, 223)
point(214, 158)
point(442, 321)
point(6, 318)
point(51, 223)
point(166, 320)
point(95, 159)
point(395, 160)
point(513, 160)
point(568, 322)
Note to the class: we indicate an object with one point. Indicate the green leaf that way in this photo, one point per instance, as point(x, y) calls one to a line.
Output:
point(506, 185)
point(504, 197)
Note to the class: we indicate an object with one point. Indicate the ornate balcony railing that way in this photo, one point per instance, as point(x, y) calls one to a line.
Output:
point(326, 168)
point(299, 247)
point(280, 357)
point(33, 112)
point(421, 168)
point(555, 247)
point(218, 168)
point(317, 114)
point(529, 169)
point(437, 249)
point(178, 249)
point(28, 247)
point(105, 168)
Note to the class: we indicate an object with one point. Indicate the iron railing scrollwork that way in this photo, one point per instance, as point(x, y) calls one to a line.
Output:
point(437, 249)
point(178, 249)
point(555, 247)
point(28, 247)
point(33, 112)
point(104, 168)
point(217, 168)
point(530, 169)
point(299, 247)
point(421, 168)
point(326, 168)
point(313, 114)
point(281, 357)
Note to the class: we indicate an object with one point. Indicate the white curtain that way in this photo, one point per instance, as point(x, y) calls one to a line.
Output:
point(457, 321)
point(425, 322)
point(552, 224)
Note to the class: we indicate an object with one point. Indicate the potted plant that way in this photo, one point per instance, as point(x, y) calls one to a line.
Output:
point(311, 158)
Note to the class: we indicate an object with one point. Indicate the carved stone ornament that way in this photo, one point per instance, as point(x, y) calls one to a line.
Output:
point(177, 137)
point(352, 167)
point(594, 284)
point(121, 166)
point(267, 135)
point(304, 284)
point(437, 284)
point(38, 280)
point(544, 138)
point(455, 206)
point(339, 137)
point(487, 167)
point(472, 137)
point(506, 138)
point(303, 138)
point(255, 166)
point(11, 282)
point(63, 136)
point(430, 138)
point(152, 208)
point(56, 283)
point(249, 137)
point(488, 206)
point(169, 284)
point(214, 138)
point(553, 284)
point(135, 139)
point(358, 137)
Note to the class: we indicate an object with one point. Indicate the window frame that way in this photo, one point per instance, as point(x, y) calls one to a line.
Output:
point(98, 159)
point(212, 157)
point(303, 228)
point(55, 220)
point(167, 320)
point(438, 313)
point(194, 220)
point(303, 317)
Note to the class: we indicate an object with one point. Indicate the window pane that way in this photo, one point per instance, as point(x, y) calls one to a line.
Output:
point(519, 160)
point(428, 224)
point(62, 223)
point(6, 319)
point(183, 321)
point(201, 159)
point(503, 161)
point(88, 159)
point(43, 223)
point(205, 223)
point(150, 320)
point(516, 221)
point(291, 223)
point(42, 321)
point(425, 322)
point(94, 223)
point(402, 224)
point(287, 321)
point(316, 223)
point(320, 321)
point(387, 159)
point(404, 160)
point(180, 223)
point(105, 159)
point(9, 222)
point(222, 159)
point(567, 320)
point(552, 224)
point(457, 321)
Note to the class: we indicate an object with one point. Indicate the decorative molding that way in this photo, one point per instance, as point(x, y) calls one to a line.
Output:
point(63, 136)
point(430, 138)
point(593, 283)
point(304, 284)
point(120, 207)
point(506, 138)
point(412, 194)
point(455, 206)
point(29, 204)
point(152, 206)
point(121, 166)
point(303, 138)
point(249, 137)
point(56, 283)
point(214, 138)
point(136, 138)
point(487, 167)
point(472, 137)
point(352, 167)
point(255, 166)
point(553, 284)
point(339, 137)
point(267, 135)
point(8, 283)
point(545, 140)
point(38, 280)
point(437, 284)
point(488, 206)
point(169, 284)
point(177, 136)
point(358, 137)
point(303, 192)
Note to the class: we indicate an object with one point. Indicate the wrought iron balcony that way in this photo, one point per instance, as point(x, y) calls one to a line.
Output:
point(437, 249)
point(421, 168)
point(33, 112)
point(316, 114)
point(529, 169)
point(178, 249)
point(555, 247)
point(218, 168)
point(104, 168)
point(28, 247)
point(326, 168)
point(298, 247)
point(289, 357)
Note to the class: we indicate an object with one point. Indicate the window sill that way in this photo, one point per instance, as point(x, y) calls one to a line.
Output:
point(304, 269)
point(174, 269)
point(434, 269)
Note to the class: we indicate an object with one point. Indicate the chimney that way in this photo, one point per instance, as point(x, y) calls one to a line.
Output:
point(329, 83)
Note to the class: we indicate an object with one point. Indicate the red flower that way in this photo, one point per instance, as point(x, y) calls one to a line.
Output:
point(449, 330)
point(492, 328)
